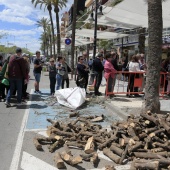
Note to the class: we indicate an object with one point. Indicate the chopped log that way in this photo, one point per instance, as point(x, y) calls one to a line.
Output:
point(109, 167)
point(164, 125)
point(62, 133)
point(156, 132)
point(76, 160)
point(86, 157)
point(111, 155)
point(37, 144)
point(53, 147)
point(116, 150)
point(74, 114)
point(133, 148)
point(165, 145)
point(94, 158)
point(142, 135)
point(59, 162)
point(55, 124)
point(67, 157)
point(97, 119)
point(155, 150)
point(150, 130)
point(75, 144)
point(149, 155)
point(124, 154)
point(151, 118)
point(110, 140)
point(89, 148)
point(141, 164)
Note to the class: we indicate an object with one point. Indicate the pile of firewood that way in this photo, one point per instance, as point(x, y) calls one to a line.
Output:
point(143, 139)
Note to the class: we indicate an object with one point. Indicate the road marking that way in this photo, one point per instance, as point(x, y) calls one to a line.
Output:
point(29, 162)
point(18, 147)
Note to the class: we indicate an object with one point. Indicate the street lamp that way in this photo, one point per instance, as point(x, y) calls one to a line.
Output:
point(95, 26)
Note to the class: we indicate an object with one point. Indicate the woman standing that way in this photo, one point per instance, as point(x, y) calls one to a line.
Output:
point(52, 75)
point(60, 72)
point(82, 73)
point(109, 73)
point(133, 67)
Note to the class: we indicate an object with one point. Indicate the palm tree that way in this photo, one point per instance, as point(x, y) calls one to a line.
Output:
point(44, 22)
point(152, 102)
point(50, 39)
point(58, 5)
point(48, 5)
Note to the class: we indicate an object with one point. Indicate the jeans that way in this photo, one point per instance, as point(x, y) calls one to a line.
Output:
point(15, 84)
point(59, 81)
point(52, 84)
point(98, 82)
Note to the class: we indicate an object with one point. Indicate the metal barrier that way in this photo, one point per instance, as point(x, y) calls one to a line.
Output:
point(132, 83)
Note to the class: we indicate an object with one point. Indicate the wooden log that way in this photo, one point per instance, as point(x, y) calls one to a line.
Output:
point(165, 145)
point(46, 141)
point(133, 148)
point(98, 119)
point(75, 144)
point(53, 147)
point(150, 130)
point(62, 133)
point(155, 150)
point(110, 140)
point(116, 150)
point(124, 154)
point(59, 162)
point(86, 157)
point(111, 155)
point(156, 132)
point(151, 165)
point(164, 125)
point(142, 135)
point(74, 114)
point(76, 160)
point(94, 158)
point(149, 155)
point(67, 157)
point(151, 118)
point(37, 144)
point(89, 148)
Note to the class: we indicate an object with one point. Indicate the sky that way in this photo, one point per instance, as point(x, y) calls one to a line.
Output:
point(18, 22)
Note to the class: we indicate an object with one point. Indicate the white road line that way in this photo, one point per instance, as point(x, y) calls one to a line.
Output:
point(18, 147)
point(29, 162)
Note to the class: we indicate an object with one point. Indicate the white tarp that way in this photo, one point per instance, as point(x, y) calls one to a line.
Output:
point(71, 97)
point(135, 12)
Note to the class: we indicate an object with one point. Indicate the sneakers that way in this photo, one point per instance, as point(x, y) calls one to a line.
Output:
point(7, 104)
point(37, 91)
point(20, 104)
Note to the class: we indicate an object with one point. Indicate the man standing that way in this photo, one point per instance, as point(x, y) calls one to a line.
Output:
point(98, 69)
point(86, 64)
point(16, 74)
point(37, 71)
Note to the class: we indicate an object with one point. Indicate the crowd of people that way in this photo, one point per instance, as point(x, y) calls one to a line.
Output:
point(14, 73)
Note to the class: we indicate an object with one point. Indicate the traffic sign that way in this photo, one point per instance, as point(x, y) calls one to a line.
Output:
point(67, 41)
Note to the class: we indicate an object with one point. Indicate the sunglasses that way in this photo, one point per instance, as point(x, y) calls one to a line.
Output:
point(51, 61)
point(81, 59)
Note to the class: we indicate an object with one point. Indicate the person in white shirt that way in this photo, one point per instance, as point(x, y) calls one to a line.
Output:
point(133, 67)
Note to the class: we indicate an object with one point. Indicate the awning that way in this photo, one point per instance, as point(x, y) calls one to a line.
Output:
point(135, 12)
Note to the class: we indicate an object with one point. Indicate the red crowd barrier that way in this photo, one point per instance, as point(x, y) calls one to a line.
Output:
point(126, 86)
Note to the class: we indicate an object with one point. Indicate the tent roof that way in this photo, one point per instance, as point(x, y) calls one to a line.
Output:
point(100, 34)
point(135, 12)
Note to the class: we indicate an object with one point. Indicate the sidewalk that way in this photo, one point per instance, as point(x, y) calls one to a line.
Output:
point(121, 105)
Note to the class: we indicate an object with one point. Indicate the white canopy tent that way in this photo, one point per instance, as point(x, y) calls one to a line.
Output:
point(134, 12)
point(100, 34)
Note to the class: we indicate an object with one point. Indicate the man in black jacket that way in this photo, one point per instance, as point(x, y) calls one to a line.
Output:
point(98, 69)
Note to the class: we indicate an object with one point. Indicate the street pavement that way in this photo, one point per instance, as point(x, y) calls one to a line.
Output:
point(20, 125)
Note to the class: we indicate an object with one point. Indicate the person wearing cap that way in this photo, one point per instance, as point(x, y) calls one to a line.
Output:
point(16, 74)
point(98, 69)
point(37, 71)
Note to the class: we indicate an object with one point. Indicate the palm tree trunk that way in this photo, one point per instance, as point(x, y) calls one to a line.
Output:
point(51, 45)
point(53, 36)
point(142, 39)
point(73, 34)
point(152, 102)
point(58, 29)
